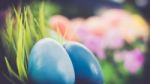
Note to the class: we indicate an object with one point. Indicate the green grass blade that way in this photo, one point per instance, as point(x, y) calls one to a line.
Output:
point(11, 71)
point(20, 49)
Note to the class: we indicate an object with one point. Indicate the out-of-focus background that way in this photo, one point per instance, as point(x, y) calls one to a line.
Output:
point(116, 31)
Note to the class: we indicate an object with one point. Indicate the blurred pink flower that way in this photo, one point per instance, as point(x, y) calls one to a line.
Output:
point(96, 25)
point(132, 27)
point(133, 60)
point(61, 25)
point(83, 33)
point(94, 43)
point(113, 39)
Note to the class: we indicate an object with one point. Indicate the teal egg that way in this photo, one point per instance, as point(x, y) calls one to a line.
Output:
point(86, 66)
point(49, 63)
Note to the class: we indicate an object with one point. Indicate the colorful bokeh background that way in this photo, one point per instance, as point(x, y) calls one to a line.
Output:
point(116, 31)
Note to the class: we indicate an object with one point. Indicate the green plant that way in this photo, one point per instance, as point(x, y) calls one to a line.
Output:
point(23, 31)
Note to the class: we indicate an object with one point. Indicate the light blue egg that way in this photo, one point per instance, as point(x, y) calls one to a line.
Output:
point(86, 67)
point(49, 63)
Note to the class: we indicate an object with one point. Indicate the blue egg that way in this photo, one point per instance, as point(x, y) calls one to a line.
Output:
point(49, 63)
point(86, 67)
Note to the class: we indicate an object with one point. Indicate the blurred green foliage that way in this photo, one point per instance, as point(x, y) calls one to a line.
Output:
point(23, 30)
